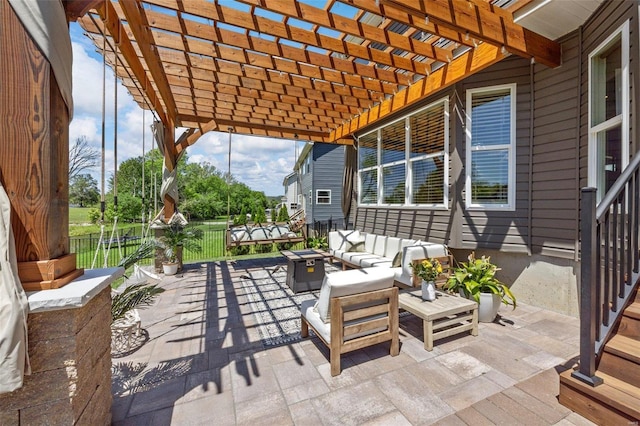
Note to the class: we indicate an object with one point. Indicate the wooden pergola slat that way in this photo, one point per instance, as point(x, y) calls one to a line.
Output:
point(322, 71)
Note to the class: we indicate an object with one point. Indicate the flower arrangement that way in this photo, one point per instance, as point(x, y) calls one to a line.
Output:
point(427, 269)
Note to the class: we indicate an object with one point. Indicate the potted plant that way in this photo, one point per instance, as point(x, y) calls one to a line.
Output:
point(476, 279)
point(175, 238)
point(428, 271)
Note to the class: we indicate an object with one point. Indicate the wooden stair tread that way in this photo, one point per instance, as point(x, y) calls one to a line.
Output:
point(621, 385)
point(624, 347)
point(606, 393)
point(633, 310)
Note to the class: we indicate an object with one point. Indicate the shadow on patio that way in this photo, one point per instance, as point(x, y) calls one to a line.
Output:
point(207, 359)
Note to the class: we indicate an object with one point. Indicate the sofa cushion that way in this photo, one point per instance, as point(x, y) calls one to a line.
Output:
point(354, 281)
point(393, 246)
point(397, 260)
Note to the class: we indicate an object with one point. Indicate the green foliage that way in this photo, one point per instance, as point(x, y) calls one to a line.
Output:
point(134, 296)
point(239, 250)
point(283, 214)
point(478, 276)
point(129, 208)
point(259, 216)
point(263, 248)
point(142, 251)
point(177, 236)
point(319, 242)
point(83, 190)
point(274, 215)
point(93, 215)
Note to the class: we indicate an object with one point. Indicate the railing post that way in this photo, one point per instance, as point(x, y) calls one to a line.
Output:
point(587, 368)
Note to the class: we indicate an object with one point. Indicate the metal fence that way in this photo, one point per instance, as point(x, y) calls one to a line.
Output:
point(90, 251)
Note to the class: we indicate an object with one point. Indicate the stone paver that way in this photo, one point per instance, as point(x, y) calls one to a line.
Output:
point(204, 363)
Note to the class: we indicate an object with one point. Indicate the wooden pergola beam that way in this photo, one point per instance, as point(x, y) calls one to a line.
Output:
point(138, 24)
point(110, 20)
point(472, 20)
point(279, 30)
point(326, 19)
point(467, 63)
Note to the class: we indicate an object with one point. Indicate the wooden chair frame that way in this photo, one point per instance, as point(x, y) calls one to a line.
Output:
point(346, 309)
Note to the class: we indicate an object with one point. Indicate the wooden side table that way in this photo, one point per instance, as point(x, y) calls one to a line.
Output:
point(446, 316)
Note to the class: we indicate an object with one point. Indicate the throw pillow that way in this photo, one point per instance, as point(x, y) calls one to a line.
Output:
point(397, 260)
point(355, 244)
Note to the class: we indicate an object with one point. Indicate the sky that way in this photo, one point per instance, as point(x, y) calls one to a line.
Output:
point(260, 163)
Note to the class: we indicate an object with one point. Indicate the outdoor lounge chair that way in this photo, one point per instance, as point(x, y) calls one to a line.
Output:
point(356, 309)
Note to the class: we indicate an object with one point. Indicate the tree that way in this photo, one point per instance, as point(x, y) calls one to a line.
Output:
point(83, 190)
point(82, 156)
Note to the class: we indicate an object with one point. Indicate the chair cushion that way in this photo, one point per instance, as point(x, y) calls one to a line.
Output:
point(354, 281)
point(349, 240)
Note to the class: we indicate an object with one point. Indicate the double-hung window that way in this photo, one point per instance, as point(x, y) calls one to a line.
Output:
point(323, 196)
point(368, 168)
point(609, 110)
point(490, 148)
point(428, 156)
point(406, 162)
point(393, 156)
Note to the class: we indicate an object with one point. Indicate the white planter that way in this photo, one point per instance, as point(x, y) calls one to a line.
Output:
point(170, 268)
point(428, 290)
point(488, 307)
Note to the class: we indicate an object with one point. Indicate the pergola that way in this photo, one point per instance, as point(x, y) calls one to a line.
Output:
point(318, 70)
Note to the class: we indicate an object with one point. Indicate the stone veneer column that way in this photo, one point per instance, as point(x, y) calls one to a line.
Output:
point(70, 354)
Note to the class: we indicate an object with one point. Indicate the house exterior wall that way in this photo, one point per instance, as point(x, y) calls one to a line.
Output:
point(327, 164)
point(536, 244)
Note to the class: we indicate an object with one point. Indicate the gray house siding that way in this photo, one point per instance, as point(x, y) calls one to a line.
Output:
point(326, 163)
point(327, 166)
point(306, 185)
point(554, 177)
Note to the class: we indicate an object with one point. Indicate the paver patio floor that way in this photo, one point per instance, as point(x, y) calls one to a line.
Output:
point(204, 364)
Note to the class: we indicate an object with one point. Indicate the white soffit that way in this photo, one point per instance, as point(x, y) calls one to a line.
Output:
point(555, 18)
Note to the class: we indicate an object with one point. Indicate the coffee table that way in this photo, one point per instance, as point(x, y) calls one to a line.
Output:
point(443, 317)
point(305, 269)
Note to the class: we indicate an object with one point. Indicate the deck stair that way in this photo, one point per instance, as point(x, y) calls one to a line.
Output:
point(617, 399)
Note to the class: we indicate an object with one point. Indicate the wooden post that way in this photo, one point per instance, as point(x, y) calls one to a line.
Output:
point(34, 158)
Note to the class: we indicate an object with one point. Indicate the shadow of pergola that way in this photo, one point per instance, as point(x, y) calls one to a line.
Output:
point(204, 315)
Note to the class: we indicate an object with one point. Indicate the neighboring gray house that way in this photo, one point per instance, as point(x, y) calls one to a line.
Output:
point(319, 173)
point(495, 163)
point(291, 192)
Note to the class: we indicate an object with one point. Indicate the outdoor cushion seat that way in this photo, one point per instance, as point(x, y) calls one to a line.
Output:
point(365, 250)
point(356, 308)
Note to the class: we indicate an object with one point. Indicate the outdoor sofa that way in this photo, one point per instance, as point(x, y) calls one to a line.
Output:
point(355, 249)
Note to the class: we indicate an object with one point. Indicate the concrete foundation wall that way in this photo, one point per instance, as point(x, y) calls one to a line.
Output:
point(70, 354)
point(547, 282)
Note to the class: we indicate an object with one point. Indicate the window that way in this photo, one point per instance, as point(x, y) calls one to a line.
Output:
point(393, 163)
point(323, 196)
point(609, 110)
point(407, 162)
point(490, 148)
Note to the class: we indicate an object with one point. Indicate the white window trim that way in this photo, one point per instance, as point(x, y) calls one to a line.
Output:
point(410, 161)
point(328, 191)
point(360, 202)
point(622, 119)
point(407, 161)
point(511, 147)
